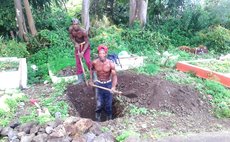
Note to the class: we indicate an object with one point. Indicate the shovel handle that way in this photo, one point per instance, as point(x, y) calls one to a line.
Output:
point(82, 63)
point(118, 92)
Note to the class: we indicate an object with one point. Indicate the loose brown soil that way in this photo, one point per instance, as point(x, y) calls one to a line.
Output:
point(152, 92)
point(68, 71)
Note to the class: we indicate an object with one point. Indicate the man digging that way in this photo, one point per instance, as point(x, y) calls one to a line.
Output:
point(80, 39)
point(106, 77)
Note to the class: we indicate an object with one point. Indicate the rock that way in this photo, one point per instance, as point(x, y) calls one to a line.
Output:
point(71, 120)
point(58, 122)
point(27, 138)
point(79, 139)
point(55, 123)
point(26, 127)
point(133, 139)
point(40, 138)
point(61, 139)
point(12, 135)
point(41, 130)
point(58, 132)
point(104, 137)
point(20, 134)
point(57, 115)
point(14, 123)
point(70, 130)
point(51, 124)
point(34, 129)
point(96, 129)
point(83, 125)
point(89, 137)
point(1, 129)
point(15, 140)
point(49, 129)
point(5, 131)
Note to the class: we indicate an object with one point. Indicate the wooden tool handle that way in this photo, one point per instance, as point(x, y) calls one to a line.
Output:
point(82, 66)
point(118, 92)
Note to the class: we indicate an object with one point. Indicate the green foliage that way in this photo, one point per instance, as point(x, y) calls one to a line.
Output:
point(149, 68)
point(12, 48)
point(221, 98)
point(7, 18)
point(216, 38)
point(125, 135)
point(145, 40)
point(52, 20)
point(134, 110)
point(39, 59)
point(219, 12)
point(51, 102)
point(4, 66)
point(110, 36)
point(7, 116)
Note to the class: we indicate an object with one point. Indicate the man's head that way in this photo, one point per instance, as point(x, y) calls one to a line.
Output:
point(102, 52)
point(75, 21)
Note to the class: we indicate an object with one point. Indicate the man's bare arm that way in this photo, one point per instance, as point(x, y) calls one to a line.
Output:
point(92, 69)
point(114, 76)
point(70, 34)
point(86, 39)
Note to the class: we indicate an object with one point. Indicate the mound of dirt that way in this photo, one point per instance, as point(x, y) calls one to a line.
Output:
point(68, 71)
point(153, 93)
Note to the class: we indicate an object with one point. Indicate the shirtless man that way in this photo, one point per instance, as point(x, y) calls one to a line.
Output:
point(80, 40)
point(106, 77)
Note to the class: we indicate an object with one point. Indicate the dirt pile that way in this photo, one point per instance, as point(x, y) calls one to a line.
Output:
point(153, 93)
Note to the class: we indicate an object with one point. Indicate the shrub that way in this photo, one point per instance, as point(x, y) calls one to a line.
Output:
point(12, 48)
point(216, 38)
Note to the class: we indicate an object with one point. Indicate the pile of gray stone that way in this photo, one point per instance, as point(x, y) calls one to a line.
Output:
point(73, 129)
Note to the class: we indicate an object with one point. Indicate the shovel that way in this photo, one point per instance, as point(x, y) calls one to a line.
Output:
point(81, 45)
point(131, 95)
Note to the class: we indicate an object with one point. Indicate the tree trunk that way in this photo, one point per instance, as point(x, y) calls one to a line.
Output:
point(85, 14)
point(138, 9)
point(143, 5)
point(132, 11)
point(30, 18)
point(19, 16)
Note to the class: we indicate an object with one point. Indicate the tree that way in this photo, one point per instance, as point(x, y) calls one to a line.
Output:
point(30, 18)
point(20, 19)
point(85, 14)
point(138, 10)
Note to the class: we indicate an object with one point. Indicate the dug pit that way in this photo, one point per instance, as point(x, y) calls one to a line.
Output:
point(152, 92)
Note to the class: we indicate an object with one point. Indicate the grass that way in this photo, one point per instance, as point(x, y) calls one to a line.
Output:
point(50, 102)
point(8, 66)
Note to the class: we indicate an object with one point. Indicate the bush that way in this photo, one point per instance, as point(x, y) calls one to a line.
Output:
point(12, 48)
point(40, 59)
point(216, 38)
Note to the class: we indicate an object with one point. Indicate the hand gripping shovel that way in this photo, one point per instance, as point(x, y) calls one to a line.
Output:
point(81, 45)
point(131, 95)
